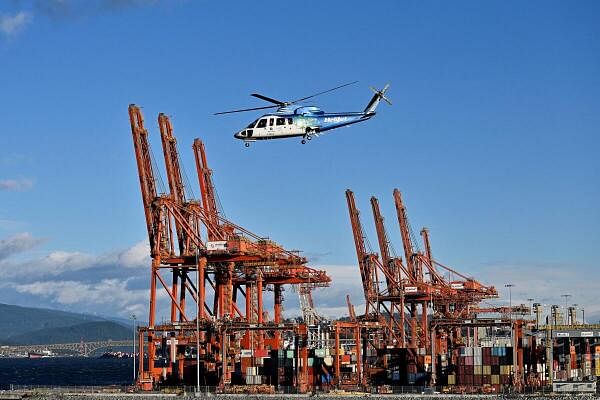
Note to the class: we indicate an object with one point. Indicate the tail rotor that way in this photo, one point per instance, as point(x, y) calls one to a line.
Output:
point(377, 97)
point(381, 93)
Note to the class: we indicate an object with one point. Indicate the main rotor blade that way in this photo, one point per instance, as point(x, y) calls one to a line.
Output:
point(323, 92)
point(244, 109)
point(270, 100)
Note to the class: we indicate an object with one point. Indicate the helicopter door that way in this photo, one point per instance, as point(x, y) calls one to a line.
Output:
point(280, 127)
point(271, 128)
point(261, 127)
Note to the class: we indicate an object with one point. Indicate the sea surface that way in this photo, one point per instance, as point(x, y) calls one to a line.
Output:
point(68, 371)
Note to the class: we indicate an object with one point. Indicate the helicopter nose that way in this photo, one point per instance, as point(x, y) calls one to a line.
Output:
point(237, 135)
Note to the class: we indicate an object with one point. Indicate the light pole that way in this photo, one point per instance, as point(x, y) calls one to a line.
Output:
point(133, 318)
point(509, 286)
point(530, 300)
point(566, 296)
point(512, 336)
point(198, 305)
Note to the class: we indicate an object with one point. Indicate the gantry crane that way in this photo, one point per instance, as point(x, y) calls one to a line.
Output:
point(231, 265)
point(413, 284)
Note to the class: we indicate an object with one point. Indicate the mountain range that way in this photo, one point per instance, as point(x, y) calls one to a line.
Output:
point(27, 325)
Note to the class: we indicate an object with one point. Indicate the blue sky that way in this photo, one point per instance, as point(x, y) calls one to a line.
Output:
point(492, 137)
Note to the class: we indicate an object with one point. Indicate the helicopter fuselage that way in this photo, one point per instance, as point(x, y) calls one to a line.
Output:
point(300, 121)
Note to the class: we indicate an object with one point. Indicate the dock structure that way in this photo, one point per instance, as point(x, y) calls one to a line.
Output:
point(424, 325)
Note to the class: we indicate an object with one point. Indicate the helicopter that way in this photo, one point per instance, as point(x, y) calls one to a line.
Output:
point(294, 120)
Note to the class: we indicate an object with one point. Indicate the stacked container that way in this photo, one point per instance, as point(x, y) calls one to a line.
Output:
point(597, 360)
point(481, 366)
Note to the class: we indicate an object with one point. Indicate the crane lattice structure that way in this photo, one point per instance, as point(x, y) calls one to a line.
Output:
point(223, 268)
point(399, 292)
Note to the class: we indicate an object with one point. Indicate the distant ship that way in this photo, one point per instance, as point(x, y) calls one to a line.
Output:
point(116, 354)
point(43, 354)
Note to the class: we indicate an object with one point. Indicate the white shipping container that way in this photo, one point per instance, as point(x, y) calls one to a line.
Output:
point(246, 353)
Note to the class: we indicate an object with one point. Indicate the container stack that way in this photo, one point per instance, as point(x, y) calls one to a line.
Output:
point(597, 361)
point(482, 366)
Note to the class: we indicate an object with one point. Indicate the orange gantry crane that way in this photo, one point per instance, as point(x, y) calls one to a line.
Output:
point(225, 270)
point(412, 286)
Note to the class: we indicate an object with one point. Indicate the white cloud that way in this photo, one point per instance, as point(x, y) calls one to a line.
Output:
point(108, 283)
point(331, 301)
point(59, 262)
point(137, 256)
point(14, 185)
point(11, 25)
point(55, 263)
point(111, 292)
point(17, 243)
point(545, 284)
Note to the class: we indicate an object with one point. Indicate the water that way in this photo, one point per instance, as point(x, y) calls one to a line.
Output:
point(68, 371)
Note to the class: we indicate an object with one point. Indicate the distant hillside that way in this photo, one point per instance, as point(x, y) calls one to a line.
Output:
point(16, 320)
point(89, 332)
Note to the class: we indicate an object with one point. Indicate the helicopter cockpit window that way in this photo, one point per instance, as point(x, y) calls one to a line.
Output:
point(280, 121)
point(252, 124)
point(262, 123)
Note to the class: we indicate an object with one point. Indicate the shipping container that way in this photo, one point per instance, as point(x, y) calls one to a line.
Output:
point(451, 379)
point(261, 353)
point(246, 353)
point(320, 353)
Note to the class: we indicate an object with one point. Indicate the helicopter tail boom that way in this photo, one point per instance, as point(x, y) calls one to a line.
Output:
point(377, 97)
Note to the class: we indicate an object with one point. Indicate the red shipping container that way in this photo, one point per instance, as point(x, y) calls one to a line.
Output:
point(468, 379)
point(504, 379)
point(486, 379)
point(346, 359)
point(245, 362)
point(477, 381)
point(261, 353)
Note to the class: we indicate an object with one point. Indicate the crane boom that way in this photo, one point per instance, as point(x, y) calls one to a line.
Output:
point(174, 177)
point(381, 234)
point(207, 191)
point(364, 258)
point(351, 311)
point(405, 234)
point(159, 241)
